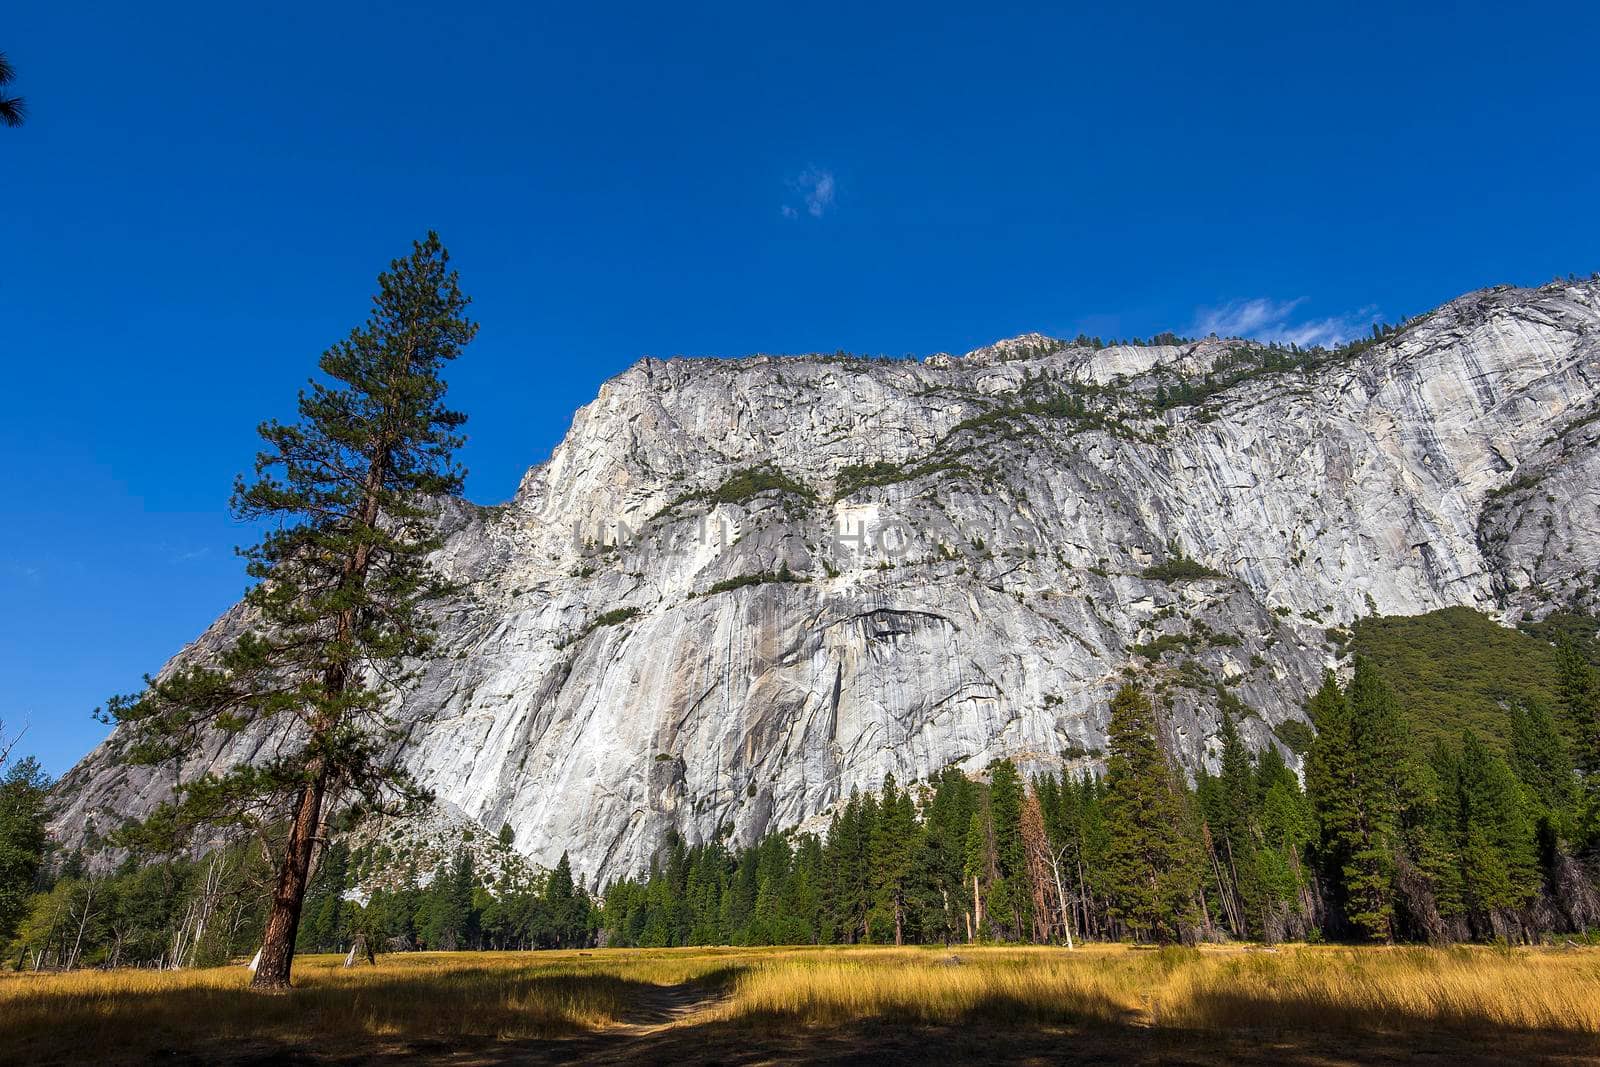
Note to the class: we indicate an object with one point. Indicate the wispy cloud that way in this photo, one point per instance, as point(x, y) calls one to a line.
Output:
point(27, 572)
point(182, 553)
point(1276, 320)
point(816, 189)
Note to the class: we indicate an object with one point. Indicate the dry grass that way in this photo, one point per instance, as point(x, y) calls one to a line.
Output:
point(427, 996)
point(433, 1004)
point(1293, 988)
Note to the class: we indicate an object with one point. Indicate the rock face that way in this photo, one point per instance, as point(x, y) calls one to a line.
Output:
point(740, 589)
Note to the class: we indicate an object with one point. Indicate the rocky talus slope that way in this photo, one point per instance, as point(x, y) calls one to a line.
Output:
point(740, 589)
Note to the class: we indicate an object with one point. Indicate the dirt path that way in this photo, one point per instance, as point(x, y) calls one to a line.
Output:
point(666, 1006)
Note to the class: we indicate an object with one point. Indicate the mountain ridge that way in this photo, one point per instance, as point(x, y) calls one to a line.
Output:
point(739, 589)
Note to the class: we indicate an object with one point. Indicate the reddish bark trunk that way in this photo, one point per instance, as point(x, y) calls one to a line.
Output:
point(289, 892)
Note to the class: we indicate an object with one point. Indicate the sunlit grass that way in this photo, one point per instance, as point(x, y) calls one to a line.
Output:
point(1291, 988)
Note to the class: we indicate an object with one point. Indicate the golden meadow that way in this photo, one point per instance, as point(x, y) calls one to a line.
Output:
point(486, 999)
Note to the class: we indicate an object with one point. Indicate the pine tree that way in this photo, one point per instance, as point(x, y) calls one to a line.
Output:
point(1543, 762)
point(1435, 843)
point(1228, 803)
point(849, 891)
point(1288, 826)
point(13, 109)
point(567, 906)
point(739, 903)
point(1151, 874)
point(23, 792)
point(939, 889)
point(893, 845)
point(978, 867)
point(1049, 908)
point(772, 869)
point(1010, 904)
point(1082, 821)
point(322, 928)
point(342, 586)
point(802, 898)
point(1580, 698)
point(1499, 860)
point(1580, 701)
point(446, 910)
point(1360, 777)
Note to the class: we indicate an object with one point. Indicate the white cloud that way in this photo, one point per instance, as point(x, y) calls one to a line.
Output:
point(1274, 320)
point(816, 189)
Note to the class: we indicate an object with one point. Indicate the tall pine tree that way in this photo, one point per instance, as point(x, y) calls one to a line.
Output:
point(348, 492)
point(1010, 904)
point(1360, 775)
point(1151, 870)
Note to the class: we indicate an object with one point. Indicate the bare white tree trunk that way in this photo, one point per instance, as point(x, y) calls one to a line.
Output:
point(83, 921)
point(186, 941)
point(1061, 901)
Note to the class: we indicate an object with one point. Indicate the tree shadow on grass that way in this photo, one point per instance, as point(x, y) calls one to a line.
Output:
point(470, 1012)
point(1002, 1030)
point(990, 1039)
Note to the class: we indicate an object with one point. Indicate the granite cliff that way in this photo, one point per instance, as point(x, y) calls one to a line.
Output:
point(740, 589)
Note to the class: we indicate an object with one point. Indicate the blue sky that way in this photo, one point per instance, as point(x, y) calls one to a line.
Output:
point(204, 193)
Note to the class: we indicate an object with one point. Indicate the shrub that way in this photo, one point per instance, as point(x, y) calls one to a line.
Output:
point(1180, 569)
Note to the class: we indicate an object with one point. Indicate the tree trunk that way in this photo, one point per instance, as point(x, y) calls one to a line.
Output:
point(83, 922)
point(288, 896)
point(1091, 920)
point(1061, 902)
point(283, 922)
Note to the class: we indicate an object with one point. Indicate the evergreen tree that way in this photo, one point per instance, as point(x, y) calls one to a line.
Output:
point(1579, 684)
point(1358, 774)
point(1496, 842)
point(1151, 875)
point(739, 903)
point(978, 867)
point(323, 927)
point(1228, 803)
point(567, 907)
point(1010, 904)
point(1287, 828)
point(1543, 762)
point(13, 110)
point(893, 844)
point(1434, 842)
point(447, 910)
point(802, 898)
point(23, 792)
point(849, 891)
point(342, 586)
point(939, 888)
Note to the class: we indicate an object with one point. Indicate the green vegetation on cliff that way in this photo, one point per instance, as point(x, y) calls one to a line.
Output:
point(1455, 669)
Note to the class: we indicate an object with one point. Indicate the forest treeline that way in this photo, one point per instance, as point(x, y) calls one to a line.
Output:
point(1382, 842)
point(1471, 838)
